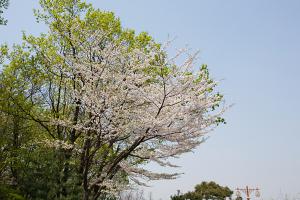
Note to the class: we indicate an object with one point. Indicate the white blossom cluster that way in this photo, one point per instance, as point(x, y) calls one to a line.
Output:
point(135, 105)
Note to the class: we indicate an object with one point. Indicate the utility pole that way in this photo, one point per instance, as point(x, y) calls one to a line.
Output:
point(247, 191)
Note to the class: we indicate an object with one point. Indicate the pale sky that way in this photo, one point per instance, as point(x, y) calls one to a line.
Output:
point(253, 48)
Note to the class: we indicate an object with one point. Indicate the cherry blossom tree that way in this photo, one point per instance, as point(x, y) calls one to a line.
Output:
point(3, 5)
point(112, 101)
point(134, 106)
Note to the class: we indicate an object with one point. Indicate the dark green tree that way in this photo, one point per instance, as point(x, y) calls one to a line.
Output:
point(206, 190)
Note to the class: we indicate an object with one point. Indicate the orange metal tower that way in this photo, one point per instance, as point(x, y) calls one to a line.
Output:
point(248, 192)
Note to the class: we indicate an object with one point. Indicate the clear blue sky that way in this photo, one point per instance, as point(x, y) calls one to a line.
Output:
point(253, 47)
